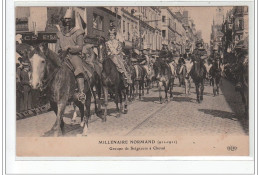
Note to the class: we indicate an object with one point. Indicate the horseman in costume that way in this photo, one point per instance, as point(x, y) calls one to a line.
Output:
point(199, 54)
point(70, 40)
point(114, 51)
point(167, 56)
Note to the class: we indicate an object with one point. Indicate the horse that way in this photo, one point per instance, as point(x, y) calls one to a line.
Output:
point(208, 77)
point(198, 74)
point(215, 74)
point(149, 73)
point(139, 74)
point(54, 74)
point(164, 77)
point(185, 73)
point(112, 80)
point(130, 68)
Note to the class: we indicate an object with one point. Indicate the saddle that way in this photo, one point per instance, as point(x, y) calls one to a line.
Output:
point(88, 69)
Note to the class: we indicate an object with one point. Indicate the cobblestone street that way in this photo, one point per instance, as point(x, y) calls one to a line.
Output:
point(223, 114)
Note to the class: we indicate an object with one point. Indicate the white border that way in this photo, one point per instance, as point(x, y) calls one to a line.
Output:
point(184, 165)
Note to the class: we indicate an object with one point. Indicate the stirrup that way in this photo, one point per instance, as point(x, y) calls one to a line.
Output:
point(82, 97)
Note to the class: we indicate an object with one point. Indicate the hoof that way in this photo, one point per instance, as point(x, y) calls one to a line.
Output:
point(57, 133)
point(118, 115)
point(125, 111)
point(82, 124)
point(104, 119)
point(84, 135)
point(99, 113)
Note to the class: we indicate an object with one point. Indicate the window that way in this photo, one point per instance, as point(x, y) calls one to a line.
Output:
point(240, 24)
point(22, 16)
point(123, 26)
point(163, 18)
point(97, 22)
point(128, 31)
point(163, 33)
point(111, 23)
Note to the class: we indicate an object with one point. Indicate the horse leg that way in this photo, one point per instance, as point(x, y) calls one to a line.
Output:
point(105, 90)
point(87, 117)
point(214, 87)
point(137, 88)
point(171, 88)
point(201, 90)
point(159, 89)
point(140, 89)
point(54, 106)
point(186, 86)
point(73, 120)
point(59, 124)
point(189, 87)
point(197, 92)
point(81, 110)
point(217, 84)
point(121, 101)
point(116, 101)
point(99, 112)
point(148, 86)
point(126, 101)
point(142, 85)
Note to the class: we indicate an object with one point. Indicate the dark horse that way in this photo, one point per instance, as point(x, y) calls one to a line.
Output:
point(51, 73)
point(139, 80)
point(164, 77)
point(198, 74)
point(215, 74)
point(112, 80)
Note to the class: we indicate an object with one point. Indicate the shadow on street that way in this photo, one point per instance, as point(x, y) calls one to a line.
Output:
point(234, 100)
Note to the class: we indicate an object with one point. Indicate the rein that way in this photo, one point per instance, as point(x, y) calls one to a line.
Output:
point(49, 78)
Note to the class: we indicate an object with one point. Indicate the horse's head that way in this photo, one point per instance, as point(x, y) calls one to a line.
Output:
point(101, 49)
point(38, 60)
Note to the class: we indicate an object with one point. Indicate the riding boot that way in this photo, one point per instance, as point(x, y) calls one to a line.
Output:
point(81, 95)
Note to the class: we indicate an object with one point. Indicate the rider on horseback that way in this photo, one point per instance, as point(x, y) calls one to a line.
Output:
point(167, 57)
point(114, 51)
point(165, 54)
point(70, 40)
point(199, 54)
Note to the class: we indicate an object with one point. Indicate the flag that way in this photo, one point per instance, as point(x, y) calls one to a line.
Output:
point(80, 23)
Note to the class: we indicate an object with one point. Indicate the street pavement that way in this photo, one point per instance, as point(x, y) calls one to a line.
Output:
point(223, 114)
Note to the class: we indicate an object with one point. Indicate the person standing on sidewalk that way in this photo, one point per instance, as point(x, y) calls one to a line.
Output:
point(26, 88)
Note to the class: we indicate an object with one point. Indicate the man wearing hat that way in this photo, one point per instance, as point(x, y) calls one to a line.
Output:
point(114, 51)
point(70, 39)
point(215, 55)
point(199, 53)
point(24, 78)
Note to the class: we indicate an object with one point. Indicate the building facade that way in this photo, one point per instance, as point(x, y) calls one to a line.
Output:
point(216, 31)
point(235, 29)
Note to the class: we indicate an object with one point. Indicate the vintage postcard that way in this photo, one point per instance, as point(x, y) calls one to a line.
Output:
point(132, 81)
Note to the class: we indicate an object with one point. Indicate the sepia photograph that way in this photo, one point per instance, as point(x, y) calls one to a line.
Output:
point(132, 81)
